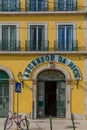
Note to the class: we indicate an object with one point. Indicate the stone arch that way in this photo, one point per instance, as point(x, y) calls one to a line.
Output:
point(8, 72)
point(11, 86)
point(34, 86)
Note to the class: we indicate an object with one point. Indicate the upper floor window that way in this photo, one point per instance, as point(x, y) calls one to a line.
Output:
point(36, 5)
point(9, 5)
point(66, 37)
point(9, 38)
point(37, 37)
point(65, 5)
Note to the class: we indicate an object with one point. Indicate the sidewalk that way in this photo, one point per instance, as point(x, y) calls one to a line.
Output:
point(56, 124)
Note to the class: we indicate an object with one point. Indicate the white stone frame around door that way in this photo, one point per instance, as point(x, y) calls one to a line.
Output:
point(34, 87)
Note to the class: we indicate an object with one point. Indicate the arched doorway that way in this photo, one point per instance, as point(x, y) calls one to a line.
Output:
point(4, 93)
point(51, 94)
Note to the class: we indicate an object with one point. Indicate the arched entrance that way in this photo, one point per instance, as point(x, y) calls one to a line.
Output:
point(35, 85)
point(51, 94)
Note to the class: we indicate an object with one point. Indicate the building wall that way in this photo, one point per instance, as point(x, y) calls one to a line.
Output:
point(18, 62)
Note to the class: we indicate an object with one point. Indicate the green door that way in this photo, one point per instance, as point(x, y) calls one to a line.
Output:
point(40, 98)
point(4, 98)
point(61, 99)
point(4, 94)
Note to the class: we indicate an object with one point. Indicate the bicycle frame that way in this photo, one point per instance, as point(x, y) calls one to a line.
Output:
point(16, 120)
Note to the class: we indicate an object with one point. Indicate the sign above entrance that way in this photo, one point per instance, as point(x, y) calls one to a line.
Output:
point(52, 58)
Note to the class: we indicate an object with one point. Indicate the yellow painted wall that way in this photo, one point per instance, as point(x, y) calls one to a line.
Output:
point(18, 63)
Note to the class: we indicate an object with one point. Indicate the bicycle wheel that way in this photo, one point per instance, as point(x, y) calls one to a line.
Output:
point(8, 123)
point(24, 124)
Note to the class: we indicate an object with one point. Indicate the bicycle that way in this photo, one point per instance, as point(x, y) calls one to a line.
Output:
point(18, 120)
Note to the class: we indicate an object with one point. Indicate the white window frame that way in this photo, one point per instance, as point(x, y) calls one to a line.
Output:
point(36, 23)
point(66, 23)
point(17, 31)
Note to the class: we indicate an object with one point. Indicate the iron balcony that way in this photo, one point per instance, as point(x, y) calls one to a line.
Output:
point(13, 45)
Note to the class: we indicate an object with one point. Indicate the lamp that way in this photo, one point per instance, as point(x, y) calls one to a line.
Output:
point(77, 79)
point(20, 77)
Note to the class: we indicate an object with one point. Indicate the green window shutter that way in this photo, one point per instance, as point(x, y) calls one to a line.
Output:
point(33, 38)
point(13, 37)
point(4, 32)
point(43, 43)
point(0, 5)
point(5, 37)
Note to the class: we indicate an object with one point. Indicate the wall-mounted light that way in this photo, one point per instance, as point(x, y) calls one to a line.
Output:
point(20, 77)
point(77, 80)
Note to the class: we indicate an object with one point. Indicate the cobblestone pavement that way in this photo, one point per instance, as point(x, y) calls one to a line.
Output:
point(56, 124)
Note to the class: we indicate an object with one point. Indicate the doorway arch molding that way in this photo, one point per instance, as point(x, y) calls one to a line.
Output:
point(11, 86)
point(34, 86)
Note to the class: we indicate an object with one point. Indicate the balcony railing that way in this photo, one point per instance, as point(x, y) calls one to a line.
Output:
point(36, 6)
point(36, 45)
point(41, 47)
point(66, 46)
point(6, 45)
point(9, 5)
point(69, 6)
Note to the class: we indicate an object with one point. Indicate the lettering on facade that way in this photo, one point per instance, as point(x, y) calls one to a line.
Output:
point(52, 58)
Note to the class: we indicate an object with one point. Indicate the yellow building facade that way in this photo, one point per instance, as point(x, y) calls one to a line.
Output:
point(43, 47)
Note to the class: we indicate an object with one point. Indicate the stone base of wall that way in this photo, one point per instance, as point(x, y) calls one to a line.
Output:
point(79, 116)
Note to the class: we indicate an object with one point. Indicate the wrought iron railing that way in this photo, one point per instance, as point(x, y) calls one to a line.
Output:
point(39, 46)
point(65, 46)
point(9, 5)
point(36, 6)
point(69, 6)
point(36, 45)
point(12, 45)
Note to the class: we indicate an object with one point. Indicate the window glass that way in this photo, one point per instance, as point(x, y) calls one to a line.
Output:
point(65, 37)
point(10, 5)
point(37, 37)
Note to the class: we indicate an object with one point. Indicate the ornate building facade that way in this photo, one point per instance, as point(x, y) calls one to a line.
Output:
point(43, 46)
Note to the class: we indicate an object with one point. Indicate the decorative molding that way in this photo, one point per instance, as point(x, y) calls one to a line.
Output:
point(34, 85)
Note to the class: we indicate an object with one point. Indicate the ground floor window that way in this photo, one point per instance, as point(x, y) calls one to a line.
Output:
point(4, 94)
